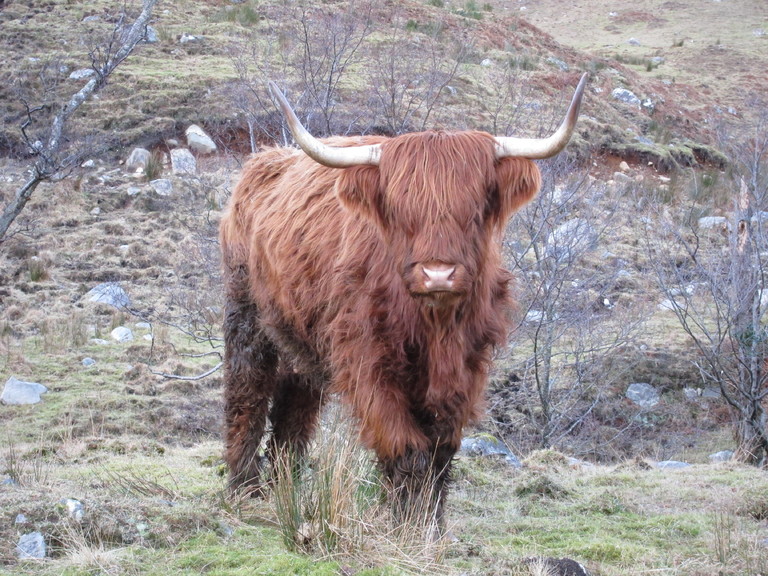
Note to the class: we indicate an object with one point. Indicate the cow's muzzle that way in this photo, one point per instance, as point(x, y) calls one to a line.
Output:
point(437, 280)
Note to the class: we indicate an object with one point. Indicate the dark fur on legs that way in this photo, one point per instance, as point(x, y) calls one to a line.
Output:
point(294, 415)
point(419, 483)
point(250, 367)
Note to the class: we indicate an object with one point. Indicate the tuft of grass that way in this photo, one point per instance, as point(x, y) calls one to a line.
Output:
point(154, 167)
point(38, 271)
point(333, 505)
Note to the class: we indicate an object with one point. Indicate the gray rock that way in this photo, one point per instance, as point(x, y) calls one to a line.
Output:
point(626, 96)
point(82, 74)
point(138, 159)
point(714, 223)
point(712, 393)
point(487, 445)
point(199, 141)
point(633, 42)
point(151, 37)
point(571, 239)
point(556, 567)
point(109, 293)
point(162, 186)
point(16, 392)
point(671, 464)
point(691, 393)
point(187, 38)
point(122, 334)
point(557, 63)
point(74, 508)
point(182, 161)
point(722, 456)
point(642, 394)
point(20, 519)
point(87, 362)
point(31, 546)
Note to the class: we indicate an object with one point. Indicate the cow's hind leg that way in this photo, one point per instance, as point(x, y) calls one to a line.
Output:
point(250, 374)
point(294, 415)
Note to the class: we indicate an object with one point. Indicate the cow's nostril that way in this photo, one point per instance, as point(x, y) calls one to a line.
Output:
point(438, 277)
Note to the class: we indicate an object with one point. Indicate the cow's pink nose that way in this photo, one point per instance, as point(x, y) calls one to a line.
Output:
point(438, 277)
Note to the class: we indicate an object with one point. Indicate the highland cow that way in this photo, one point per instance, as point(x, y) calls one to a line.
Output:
point(370, 268)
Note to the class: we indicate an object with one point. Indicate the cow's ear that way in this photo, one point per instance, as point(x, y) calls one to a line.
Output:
point(518, 180)
point(359, 190)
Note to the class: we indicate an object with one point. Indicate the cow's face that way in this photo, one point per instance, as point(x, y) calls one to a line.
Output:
point(439, 200)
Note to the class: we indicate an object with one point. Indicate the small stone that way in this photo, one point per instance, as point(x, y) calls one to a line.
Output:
point(672, 464)
point(87, 362)
point(82, 74)
point(20, 519)
point(122, 334)
point(722, 456)
point(31, 546)
point(624, 167)
point(625, 95)
point(138, 159)
point(75, 508)
point(162, 186)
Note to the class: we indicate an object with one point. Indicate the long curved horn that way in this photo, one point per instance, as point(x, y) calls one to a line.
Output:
point(536, 148)
point(342, 157)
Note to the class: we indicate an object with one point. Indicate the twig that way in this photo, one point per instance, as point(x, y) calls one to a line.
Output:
point(188, 378)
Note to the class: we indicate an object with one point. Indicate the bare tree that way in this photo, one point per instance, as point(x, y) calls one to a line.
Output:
point(574, 317)
point(54, 156)
point(306, 49)
point(257, 60)
point(409, 75)
point(715, 283)
point(508, 99)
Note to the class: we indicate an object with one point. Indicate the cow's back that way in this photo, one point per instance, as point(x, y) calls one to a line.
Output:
point(306, 256)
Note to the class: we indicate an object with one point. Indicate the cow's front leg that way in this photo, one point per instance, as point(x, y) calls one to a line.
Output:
point(418, 481)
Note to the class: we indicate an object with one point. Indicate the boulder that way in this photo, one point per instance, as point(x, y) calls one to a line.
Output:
point(199, 141)
point(138, 159)
point(182, 161)
point(487, 445)
point(122, 334)
point(109, 293)
point(722, 456)
point(31, 546)
point(626, 96)
point(644, 395)
point(18, 392)
point(162, 186)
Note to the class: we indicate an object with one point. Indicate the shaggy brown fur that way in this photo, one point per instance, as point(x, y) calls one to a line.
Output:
point(326, 293)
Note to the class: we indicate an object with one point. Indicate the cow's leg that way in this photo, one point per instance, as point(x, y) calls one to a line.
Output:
point(294, 415)
point(250, 366)
point(419, 481)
